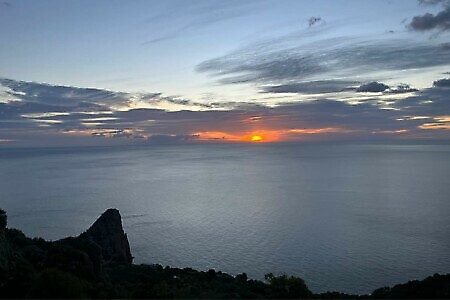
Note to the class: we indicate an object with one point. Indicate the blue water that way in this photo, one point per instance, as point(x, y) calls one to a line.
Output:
point(343, 217)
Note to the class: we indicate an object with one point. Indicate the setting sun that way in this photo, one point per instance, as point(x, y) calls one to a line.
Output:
point(257, 138)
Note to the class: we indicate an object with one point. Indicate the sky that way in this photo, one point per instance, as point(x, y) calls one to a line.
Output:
point(115, 72)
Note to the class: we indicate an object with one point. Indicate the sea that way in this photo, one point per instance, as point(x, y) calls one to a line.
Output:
point(349, 218)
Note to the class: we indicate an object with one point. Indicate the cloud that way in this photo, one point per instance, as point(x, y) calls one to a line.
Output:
point(431, 102)
point(62, 95)
point(337, 86)
point(372, 87)
point(432, 2)
point(29, 122)
point(429, 21)
point(119, 133)
point(5, 4)
point(65, 110)
point(338, 118)
point(171, 139)
point(442, 83)
point(313, 20)
point(445, 46)
point(196, 16)
point(313, 87)
point(327, 59)
point(85, 99)
point(401, 89)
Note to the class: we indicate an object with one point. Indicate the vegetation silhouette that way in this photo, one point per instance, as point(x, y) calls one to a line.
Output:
point(75, 268)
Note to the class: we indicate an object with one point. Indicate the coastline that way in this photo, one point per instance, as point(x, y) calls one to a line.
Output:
point(98, 264)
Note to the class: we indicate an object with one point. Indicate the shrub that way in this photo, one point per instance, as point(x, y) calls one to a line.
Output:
point(54, 284)
point(287, 287)
point(3, 219)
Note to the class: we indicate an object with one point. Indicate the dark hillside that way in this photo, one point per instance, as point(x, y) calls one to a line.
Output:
point(97, 264)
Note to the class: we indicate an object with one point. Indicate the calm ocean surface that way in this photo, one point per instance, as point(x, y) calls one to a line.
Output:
point(347, 218)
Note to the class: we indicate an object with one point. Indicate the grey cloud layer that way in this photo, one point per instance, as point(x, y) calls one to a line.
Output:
point(58, 120)
point(291, 68)
point(82, 98)
point(61, 95)
point(313, 87)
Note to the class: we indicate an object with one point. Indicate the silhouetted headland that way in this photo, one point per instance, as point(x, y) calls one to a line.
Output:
point(98, 264)
point(108, 234)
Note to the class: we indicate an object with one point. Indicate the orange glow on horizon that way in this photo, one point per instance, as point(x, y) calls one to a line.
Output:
point(254, 136)
point(266, 136)
point(259, 136)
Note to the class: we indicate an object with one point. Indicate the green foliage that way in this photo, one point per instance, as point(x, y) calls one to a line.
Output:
point(433, 287)
point(3, 219)
point(56, 284)
point(92, 250)
point(161, 290)
point(17, 238)
point(242, 277)
point(284, 287)
point(17, 283)
point(74, 268)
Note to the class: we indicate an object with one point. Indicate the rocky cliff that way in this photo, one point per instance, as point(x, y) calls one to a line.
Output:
point(107, 232)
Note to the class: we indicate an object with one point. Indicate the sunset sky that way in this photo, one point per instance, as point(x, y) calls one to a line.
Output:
point(140, 72)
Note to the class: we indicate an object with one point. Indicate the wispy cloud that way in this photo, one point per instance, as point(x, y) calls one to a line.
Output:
point(328, 59)
point(5, 4)
point(433, 2)
point(195, 16)
point(85, 99)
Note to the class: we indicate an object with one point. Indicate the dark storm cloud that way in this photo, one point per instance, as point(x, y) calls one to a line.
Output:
point(372, 87)
point(442, 83)
point(313, 87)
point(334, 56)
point(429, 21)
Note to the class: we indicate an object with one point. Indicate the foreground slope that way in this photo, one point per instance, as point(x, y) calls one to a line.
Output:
point(98, 264)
